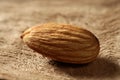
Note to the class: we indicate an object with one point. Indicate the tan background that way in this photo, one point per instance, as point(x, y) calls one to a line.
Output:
point(18, 62)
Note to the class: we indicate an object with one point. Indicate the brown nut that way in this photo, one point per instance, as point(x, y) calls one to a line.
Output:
point(62, 42)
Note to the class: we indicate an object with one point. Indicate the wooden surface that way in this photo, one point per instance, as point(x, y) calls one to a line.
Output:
point(18, 62)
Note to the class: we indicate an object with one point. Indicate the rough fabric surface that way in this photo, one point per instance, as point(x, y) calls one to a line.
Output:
point(18, 62)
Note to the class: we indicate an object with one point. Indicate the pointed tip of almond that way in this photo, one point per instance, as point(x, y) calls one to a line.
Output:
point(24, 33)
point(21, 36)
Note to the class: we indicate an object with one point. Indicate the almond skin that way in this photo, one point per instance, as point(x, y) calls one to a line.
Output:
point(62, 42)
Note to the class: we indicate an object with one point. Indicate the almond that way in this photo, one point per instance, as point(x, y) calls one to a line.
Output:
point(63, 42)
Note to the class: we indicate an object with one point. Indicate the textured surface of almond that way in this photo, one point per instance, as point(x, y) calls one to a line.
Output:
point(62, 42)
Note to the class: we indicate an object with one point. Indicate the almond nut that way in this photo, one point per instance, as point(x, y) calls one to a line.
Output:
point(62, 42)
